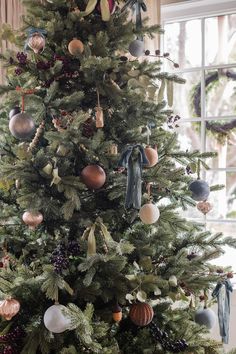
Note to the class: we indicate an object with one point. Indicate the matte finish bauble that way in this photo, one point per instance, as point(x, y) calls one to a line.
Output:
point(14, 111)
point(136, 48)
point(149, 213)
point(75, 47)
point(200, 190)
point(141, 314)
point(9, 308)
point(93, 176)
point(32, 218)
point(152, 156)
point(205, 317)
point(54, 319)
point(22, 126)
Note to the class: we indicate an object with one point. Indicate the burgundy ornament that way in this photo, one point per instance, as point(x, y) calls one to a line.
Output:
point(93, 176)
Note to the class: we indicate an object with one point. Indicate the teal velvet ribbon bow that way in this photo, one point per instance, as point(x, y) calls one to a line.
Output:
point(133, 159)
point(222, 293)
point(139, 5)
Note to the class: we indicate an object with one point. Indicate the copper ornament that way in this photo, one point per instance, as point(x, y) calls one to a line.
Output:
point(32, 218)
point(141, 314)
point(205, 207)
point(75, 47)
point(37, 42)
point(99, 117)
point(151, 155)
point(9, 308)
point(93, 176)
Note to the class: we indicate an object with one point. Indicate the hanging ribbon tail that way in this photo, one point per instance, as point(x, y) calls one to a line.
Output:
point(90, 7)
point(138, 17)
point(222, 293)
point(129, 3)
point(105, 11)
point(123, 162)
point(144, 160)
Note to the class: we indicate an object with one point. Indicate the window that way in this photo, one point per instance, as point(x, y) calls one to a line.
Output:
point(201, 36)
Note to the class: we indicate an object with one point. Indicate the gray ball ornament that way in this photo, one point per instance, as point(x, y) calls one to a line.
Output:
point(14, 111)
point(200, 190)
point(136, 48)
point(205, 317)
point(22, 126)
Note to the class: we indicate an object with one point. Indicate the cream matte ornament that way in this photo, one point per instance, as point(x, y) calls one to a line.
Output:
point(22, 126)
point(75, 47)
point(9, 308)
point(149, 213)
point(32, 218)
point(152, 156)
point(54, 319)
point(205, 317)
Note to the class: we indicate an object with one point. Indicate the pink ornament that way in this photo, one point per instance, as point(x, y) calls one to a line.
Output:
point(32, 218)
point(204, 207)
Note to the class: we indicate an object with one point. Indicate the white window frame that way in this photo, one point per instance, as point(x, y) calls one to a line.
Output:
point(200, 9)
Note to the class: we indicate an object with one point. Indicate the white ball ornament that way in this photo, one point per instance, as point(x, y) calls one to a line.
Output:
point(54, 319)
point(136, 48)
point(205, 317)
point(149, 213)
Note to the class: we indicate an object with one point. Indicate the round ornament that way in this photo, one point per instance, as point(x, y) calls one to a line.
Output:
point(204, 207)
point(200, 190)
point(54, 319)
point(149, 213)
point(117, 313)
point(22, 126)
point(151, 155)
point(141, 314)
point(93, 176)
point(9, 308)
point(14, 111)
point(32, 218)
point(37, 42)
point(75, 47)
point(205, 317)
point(136, 48)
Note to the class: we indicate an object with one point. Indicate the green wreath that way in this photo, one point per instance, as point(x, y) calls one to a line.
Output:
point(221, 129)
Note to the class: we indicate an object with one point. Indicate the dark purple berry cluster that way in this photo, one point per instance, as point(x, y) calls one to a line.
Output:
point(43, 65)
point(166, 343)
point(18, 71)
point(73, 248)
point(22, 58)
point(59, 259)
point(172, 121)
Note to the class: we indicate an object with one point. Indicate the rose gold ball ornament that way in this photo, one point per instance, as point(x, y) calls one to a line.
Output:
point(9, 308)
point(149, 213)
point(205, 207)
point(141, 314)
point(32, 218)
point(36, 40)
point(22, 126)
point(151, 155)
point(75, 47)
point(93, 176)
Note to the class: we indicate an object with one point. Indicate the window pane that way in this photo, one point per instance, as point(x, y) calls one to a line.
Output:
point(220, 39)
point(224, 147)
point(189, 135)
point(178, 41)
point(223, 201)
point(220, 92)
point(184, 97)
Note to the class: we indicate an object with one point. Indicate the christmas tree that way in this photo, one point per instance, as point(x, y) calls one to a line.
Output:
point(96, 257)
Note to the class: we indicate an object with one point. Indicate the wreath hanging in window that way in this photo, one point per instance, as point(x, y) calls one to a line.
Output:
point(221, 130)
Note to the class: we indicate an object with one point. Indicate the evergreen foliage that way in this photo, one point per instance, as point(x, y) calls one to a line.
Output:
point(117, 257)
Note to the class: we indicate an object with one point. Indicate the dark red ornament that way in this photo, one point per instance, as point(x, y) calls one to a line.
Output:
point(112, 6)
point(141, 314)
point(93, 176)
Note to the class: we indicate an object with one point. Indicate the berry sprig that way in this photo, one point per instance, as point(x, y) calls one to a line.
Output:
point(166, 343)
point(60, 256)
point(164, 56)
